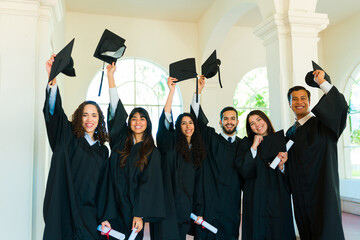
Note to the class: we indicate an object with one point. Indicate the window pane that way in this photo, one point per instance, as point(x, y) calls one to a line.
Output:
point(139, 83)
point(126, 93)
point(354, 126)
point(355, 162)
point(125, 70)
point(251, 93)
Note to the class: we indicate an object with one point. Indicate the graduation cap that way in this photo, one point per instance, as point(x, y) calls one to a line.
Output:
point(273, 144)
point(110, 48)
point(183, 70)
point(211, 66)
point(309, 78)
point(63, 62)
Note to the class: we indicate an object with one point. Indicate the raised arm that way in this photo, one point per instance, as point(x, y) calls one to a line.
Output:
point(172, 85)
point(333, 117)
point(57, 125)
point(116, 114)
point(165, 135)
point(196, 105)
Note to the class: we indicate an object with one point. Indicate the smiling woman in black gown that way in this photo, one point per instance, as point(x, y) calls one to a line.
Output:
point(183, 152)
point(79, 160)
point(135, 168)
point(267, 212)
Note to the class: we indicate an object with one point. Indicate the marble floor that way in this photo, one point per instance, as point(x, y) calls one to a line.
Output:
point(351, 224)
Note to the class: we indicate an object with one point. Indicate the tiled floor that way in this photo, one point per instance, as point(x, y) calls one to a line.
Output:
point(351, 224)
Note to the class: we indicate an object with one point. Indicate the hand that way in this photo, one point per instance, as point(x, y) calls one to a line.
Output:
point(105, 224)
point(199, 220)
point(137, 223)
point(201, 83)
point(283, 156)
point(319, 76)
point(111, 68)
point(257, 140)
point(171, 83)
point(48, 65)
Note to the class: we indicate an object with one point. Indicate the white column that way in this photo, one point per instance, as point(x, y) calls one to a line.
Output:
point(291, 43)
point(41, 148)
point(24, 43)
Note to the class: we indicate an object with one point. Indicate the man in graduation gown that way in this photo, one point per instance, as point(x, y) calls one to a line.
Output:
point(313, 162)
point(222, 182)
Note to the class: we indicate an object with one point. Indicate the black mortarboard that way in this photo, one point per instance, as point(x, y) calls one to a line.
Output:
point(211, 66)
point(63, 62)
point(110, 48)
point(309, 78)
point(183, 70)
point(273, 144)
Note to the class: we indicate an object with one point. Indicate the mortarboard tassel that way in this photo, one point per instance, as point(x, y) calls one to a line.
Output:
point(102, 76)
point(218, 67)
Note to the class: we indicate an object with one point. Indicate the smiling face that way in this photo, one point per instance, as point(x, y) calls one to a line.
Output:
point(229, 122)
point(90, 119)
point(299, 103)
point(258, 125)
point(187, 127)
point(138, 124)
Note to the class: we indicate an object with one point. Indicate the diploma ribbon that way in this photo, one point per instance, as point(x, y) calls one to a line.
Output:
point(202, 223)
point(107, 234)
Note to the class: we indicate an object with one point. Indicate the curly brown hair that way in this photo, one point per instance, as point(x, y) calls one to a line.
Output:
point(100, 133)
point(147, 146)
point(197, 145)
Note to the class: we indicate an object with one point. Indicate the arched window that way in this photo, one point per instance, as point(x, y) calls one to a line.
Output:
point(251, 93)
point(140, 83)
point(352, 131)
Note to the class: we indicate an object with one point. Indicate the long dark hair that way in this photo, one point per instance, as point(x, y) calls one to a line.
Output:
point(250, 133)
point(100, 133)
point(147, 138)
point(197, 145)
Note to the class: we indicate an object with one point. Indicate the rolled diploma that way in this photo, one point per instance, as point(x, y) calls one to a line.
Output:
point(276, 161)
point(133, 234)
point(204, 224)
point(113, 233)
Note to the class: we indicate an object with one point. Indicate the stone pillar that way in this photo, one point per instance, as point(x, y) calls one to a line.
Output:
point(291, 43)
point(25, 40)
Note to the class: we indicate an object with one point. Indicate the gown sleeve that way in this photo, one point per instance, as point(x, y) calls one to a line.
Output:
point(105, 197)
point(149, 197)
point(118, 127)
point(245, 163)
point(165, 138)
point(332, 110)
point(58, 127)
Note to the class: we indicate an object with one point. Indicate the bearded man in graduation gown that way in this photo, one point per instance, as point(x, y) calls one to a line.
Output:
point(221, 179)
point(313, 161)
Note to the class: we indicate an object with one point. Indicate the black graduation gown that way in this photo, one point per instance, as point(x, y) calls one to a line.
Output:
point(135, 193)
point(267, 212)
point(70, 204)
point(180, 182)
point(313, 169)
point(222, 185)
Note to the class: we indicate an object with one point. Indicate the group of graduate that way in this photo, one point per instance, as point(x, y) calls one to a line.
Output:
point(193, 169)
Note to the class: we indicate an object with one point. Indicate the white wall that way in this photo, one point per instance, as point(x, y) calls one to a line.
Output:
point(240, 52)
point(25, 28)
point(341, 55)
point(341, 49)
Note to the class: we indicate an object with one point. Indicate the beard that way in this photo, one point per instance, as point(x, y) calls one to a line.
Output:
point(229, 132)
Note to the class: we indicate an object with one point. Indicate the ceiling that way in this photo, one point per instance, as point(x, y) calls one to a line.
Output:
point(193, 10)
point(173, 10)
